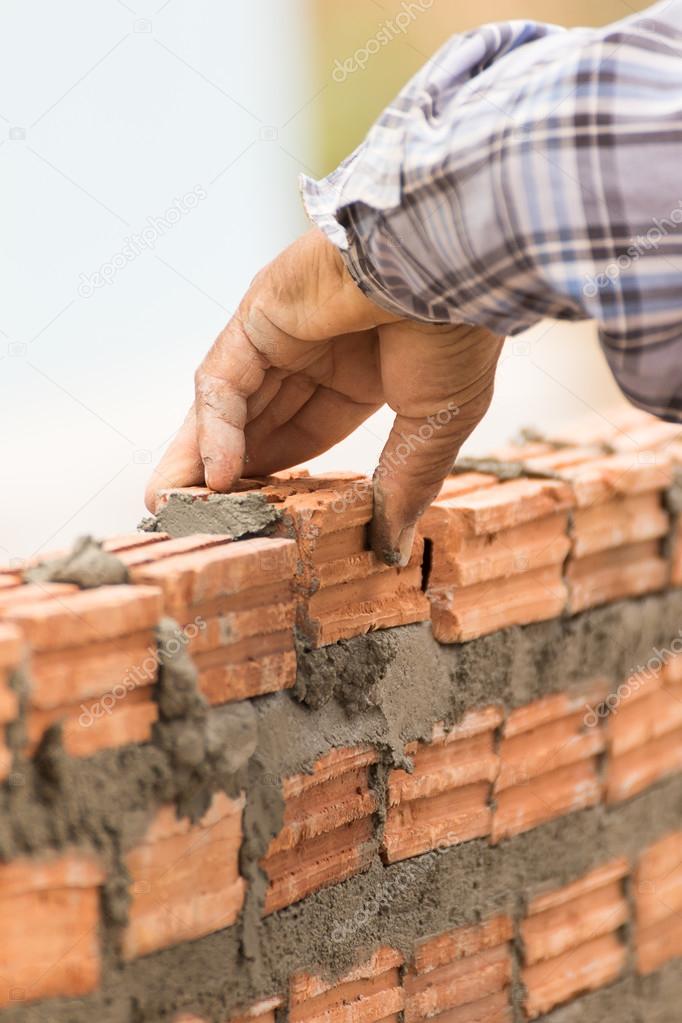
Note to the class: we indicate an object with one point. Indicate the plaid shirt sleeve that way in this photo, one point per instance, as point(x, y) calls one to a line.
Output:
point(529, 171)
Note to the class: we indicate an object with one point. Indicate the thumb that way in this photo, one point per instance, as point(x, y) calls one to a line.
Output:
point(439, 380)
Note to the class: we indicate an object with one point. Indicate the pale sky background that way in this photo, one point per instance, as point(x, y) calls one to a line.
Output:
point(110, 112)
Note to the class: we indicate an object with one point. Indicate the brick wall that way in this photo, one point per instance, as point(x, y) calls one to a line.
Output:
point(182, 839)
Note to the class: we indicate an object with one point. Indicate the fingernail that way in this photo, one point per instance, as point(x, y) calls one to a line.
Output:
point(405, 542)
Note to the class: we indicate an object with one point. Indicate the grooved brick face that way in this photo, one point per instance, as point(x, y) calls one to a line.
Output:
point(97, 646)
point(236, 603)
point(570, 938)
point(497, 554)
point(369, 993)
point(343, 589)
point(548, 761)
point(185, 880)
point(658, 904)
point(49, 940)
point(644, 731)
point(328, 829)
point(465, 973)
point(446, 798)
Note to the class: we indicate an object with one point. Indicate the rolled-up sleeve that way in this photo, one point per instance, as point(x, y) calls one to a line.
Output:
point(525, 172)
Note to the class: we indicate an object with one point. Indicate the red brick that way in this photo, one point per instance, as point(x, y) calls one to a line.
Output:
point(552, 708)
point(627, 571)
point(464, 561)
point(600, 877)
point(458, 615)
point(556, 744)
point(65, 676)
point(461, 982)
point(165, 547)
point(190, 579)
point(130, 541)
point(446, 798)
point(658, 904)
point(586, 968)
point(328, 828)
point(506, 505)
point(369, 993)
point(545, 798)
point(555, 931)
point(185, 879)
point(615, 523)
point(242, 596)
point(655, 713)
point(16, 597)
point(604, 478)
point(49, 942)
point(631, 773)
point(87, 616)
point(128, 721)
point(463, 941)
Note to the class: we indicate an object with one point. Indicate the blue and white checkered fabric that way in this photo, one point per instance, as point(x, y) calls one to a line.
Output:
point(529, 171)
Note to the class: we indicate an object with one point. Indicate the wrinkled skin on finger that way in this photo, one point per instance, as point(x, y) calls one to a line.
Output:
point(306, 359)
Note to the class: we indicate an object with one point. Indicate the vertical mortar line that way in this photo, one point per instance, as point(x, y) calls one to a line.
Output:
point(628, 931)
point(672, 502)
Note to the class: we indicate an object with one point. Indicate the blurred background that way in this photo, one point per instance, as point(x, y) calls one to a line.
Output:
point(149, 155)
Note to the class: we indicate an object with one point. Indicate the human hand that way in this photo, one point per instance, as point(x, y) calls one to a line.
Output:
point(305, 360)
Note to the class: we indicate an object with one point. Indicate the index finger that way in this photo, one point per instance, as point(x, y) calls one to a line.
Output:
point(232, 371)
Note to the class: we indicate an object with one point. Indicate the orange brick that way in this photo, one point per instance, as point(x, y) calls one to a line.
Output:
point(344, 589)
point(649, 716)
point(328, 827)
point(187, 580)
point(369, 993)
point(64, 676)
point(16, 597)
point(458, 615)
point(605, 478)
point(128, 721)
point(460, 982)
point(555, 931)
point(463, 941)
point(659, 944)
point(615, 523)
point(49, 944)
point(586, 968)
point(165, 547)
point(658, 904)
point(632, 772)
point(464, 560)
point(243, 594)
point(552, 708)
point(506, 505)
point(108, 612)
point(565, 740)
point(129, 541)
point(185, 879)
point(601, 877)
point(627, 571)
point(545, 798)
point(446, 798)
